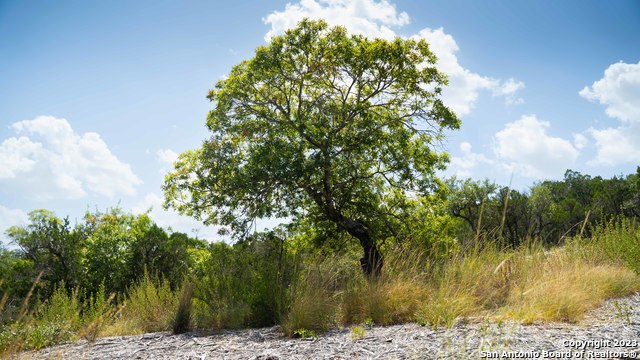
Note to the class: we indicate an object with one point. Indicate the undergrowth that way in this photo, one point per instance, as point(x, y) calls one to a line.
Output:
point(274, 285)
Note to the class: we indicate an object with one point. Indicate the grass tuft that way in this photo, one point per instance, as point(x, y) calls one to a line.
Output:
point(182, 322)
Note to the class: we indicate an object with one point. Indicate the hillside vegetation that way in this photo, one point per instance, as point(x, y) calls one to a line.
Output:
point(337, 134)
point(479, 251)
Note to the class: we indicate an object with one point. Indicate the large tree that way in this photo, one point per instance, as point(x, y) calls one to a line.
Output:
point(322, 125)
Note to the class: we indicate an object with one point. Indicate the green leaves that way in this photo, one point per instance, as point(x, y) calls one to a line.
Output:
point(318, 121)
point(112, 248)
point(323, 127)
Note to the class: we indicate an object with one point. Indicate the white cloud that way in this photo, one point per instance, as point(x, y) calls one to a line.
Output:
point(616, 145)
point(15, 156)
point(464, 165)
point(173, 220)
point(378, 19)
point(525, 147)
point(367, 17)
point(580, 141)
point(509, 90)
point(9, 218)
point(167, 156)
point(50, 160)
point(465, 85)
point(619, 91)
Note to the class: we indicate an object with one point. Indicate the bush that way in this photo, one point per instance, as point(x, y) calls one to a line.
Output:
point(245, 284)
point(149, 307)
point(619, 240)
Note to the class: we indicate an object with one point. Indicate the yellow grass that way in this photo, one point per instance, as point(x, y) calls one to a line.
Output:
point(527, 284)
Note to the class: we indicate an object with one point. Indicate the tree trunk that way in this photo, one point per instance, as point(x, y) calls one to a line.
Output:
point(372, 260)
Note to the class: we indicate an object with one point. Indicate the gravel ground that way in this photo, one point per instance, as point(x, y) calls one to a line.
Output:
point(610, 332)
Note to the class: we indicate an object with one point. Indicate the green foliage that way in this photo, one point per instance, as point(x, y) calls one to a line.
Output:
point(16, 278)
point(305, 334)
point(62, 317)
point(55, 320)
point(619, 240)
point(323, 126)
point(52, 246)
point(97, 312)
point(283, 277)
point(107, 252)
point(368, 323)
point(357, 332)
point(110, 249)
point(551, 212)
point(150, 306)
point(245, 284)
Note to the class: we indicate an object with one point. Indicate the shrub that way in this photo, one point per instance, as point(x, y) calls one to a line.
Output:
point(245, 284)
point(150, 306)
point(619, 240)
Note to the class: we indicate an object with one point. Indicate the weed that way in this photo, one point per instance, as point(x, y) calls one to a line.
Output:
point(303, 333)
point(623, 311)
point(357, 333)
point(368, 323)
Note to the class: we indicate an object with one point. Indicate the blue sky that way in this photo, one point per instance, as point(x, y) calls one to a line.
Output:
point(98, 97)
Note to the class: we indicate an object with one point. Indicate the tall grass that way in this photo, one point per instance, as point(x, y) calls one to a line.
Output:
point(182, 322)
point(63, 317)
point(245, 285)
point(312, 296)
point(527, 284)
point(265, 286)
point(150, 306)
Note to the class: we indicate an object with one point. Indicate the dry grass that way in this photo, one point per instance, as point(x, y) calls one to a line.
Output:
point(527, 284)
point(313, 301)
point(150, 306)
point(564, 288)
point(393, 298)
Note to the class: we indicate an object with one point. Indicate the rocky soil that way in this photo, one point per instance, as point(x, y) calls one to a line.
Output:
point(610, 332)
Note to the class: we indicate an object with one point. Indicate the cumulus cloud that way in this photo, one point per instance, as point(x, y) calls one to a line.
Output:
point(619, 91)
point(367, 17)
point(616, 145)
point(50, 160)
point(379, 19)
point(15, 156)
point(509, 90)
point(170, 219)
point(464, 165)
point(580, 141)
point(464, 84)
point(525, 147)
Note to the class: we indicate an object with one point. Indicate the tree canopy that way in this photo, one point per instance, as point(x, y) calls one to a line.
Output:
point(550, 211)
point(111, 249)
point(320, 125)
